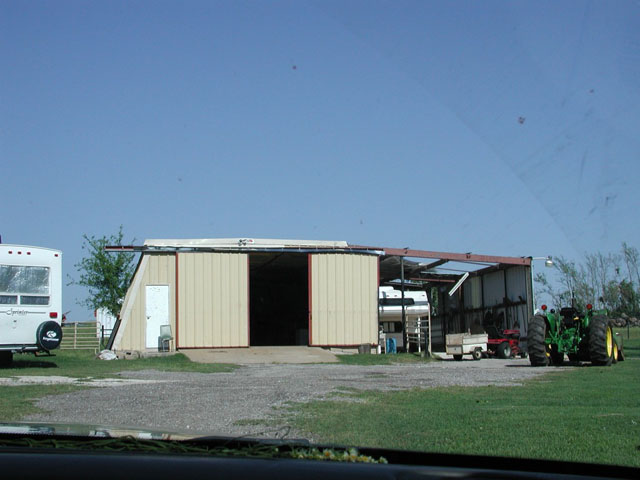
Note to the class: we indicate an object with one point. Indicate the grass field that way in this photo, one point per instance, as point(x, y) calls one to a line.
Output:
point(588, 414)
point(83, 363)
point(631, 341)
point(18, 402)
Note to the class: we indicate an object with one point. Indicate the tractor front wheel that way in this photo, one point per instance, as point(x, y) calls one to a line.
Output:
point(600, 341)
point(538, 355)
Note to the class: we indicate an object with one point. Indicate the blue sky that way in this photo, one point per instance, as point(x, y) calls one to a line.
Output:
point(506, 128)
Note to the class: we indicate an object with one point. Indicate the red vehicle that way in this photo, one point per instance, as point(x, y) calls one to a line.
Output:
point(505, 344)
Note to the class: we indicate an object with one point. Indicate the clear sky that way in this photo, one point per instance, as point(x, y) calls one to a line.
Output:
point(507, 128)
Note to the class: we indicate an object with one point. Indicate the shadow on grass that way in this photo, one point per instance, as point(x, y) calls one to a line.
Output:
point(25, 364)
point(632, 351)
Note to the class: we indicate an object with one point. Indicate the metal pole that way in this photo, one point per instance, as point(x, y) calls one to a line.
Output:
point(429, 314)
point(404, 318)
point(533, 290)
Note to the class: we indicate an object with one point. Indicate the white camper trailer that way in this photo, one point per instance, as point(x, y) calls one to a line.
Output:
point(416, 306)
point(30, 300)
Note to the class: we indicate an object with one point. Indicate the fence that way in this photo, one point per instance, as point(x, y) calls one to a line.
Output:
point(418, 331)
point(80, 336)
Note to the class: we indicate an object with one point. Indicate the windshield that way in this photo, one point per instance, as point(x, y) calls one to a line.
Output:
point(349, 222)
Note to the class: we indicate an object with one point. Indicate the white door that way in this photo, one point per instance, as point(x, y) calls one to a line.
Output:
point(157, 312)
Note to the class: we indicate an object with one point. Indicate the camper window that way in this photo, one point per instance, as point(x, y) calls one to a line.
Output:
point(391, 327)
point(396, 302)
point(32, 300)
point(8, 299)
point(24, 279)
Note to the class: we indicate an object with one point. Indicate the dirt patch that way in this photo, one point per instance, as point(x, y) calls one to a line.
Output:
point(23, 380)
point(230, 403)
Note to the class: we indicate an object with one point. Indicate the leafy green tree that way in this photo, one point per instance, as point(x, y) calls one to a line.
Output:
point(105, 275)
point(601, 273)
point(628, 299)
point(597, 280)
point(630, 288)
point(571, 285)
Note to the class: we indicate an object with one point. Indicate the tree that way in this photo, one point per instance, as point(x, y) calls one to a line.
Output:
point(598, 280)
point(106, 275)
point(632, 260)
point(602, 275)
point(571, 284)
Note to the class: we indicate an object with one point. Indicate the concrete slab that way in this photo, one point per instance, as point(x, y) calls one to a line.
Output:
point(294, 354)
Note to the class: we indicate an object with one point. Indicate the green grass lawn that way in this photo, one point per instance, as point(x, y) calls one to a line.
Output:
point(18, 402)
point(631, 341)
point(83, 363)
point(587, 414)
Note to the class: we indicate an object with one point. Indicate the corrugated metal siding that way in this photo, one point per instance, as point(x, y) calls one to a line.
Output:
point(493, 288)
point(518, 285)
point(213, 304)
point(156, 269)
point(344, 299)
point(473, 293)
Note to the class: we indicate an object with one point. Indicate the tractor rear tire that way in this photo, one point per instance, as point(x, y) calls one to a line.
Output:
point(600, 341)
point(504, 350)
point(537, 348)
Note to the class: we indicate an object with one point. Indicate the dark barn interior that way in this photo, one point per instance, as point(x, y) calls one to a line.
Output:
point(278, 299)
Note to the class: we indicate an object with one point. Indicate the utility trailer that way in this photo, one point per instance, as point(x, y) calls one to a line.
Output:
point(30, 300)
point(459, 344)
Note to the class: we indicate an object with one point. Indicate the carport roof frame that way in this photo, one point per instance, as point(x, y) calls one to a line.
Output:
point(449, 256)
point(242, 245)
point(307, 246)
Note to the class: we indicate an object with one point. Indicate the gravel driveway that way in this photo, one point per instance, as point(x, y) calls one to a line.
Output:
point(214, 402)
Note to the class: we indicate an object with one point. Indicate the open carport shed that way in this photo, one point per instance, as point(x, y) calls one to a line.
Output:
point(496, 291)
point(223, 293)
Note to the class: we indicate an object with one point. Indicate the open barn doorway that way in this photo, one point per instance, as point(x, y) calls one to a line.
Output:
point(278, 299)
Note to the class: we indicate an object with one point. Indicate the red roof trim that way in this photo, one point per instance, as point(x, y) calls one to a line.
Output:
point(456, 257)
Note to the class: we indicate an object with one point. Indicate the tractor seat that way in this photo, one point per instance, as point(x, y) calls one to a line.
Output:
point(492, 331)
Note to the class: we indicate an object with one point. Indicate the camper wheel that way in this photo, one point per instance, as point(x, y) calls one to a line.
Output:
point(6, 358)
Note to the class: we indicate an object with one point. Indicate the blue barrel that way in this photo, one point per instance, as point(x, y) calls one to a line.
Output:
point(391, 345)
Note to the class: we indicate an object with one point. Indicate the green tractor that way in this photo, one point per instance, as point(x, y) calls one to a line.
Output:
point(582, 336)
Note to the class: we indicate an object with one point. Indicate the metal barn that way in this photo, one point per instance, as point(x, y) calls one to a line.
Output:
point(224, 293)
point(244, 292)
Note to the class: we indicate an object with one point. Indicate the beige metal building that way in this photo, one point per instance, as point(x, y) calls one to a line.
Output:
point(249, 292)
point(224, 293)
